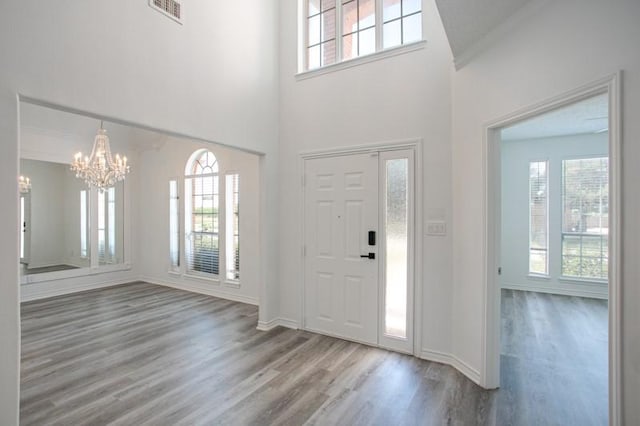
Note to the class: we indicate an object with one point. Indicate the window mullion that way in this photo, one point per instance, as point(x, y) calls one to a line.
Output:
point(378, 25)
point(338, 32)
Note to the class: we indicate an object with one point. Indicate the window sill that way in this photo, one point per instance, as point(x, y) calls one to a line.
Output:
point(349, 63)
point(588, 281)
point(208, 278)
point(232, 284)
point(539, 277)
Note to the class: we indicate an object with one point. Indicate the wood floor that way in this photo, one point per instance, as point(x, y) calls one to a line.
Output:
point(140, 354)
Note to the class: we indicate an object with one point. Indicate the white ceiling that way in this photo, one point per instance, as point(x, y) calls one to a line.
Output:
point(468, 21)
point(588, 116)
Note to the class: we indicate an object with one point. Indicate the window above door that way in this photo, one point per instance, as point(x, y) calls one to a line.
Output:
point(341, 31)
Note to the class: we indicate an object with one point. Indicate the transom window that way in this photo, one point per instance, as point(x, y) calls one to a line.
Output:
point(338, 30)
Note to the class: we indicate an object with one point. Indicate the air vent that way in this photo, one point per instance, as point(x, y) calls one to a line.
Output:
point(170, 8)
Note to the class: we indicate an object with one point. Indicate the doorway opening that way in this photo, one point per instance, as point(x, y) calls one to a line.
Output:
point(552, 325)
point(358, 246)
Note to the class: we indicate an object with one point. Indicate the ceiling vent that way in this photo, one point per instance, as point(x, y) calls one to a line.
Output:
point(170, 8)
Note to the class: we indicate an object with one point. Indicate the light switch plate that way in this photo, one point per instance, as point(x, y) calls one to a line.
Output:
point(436, 228)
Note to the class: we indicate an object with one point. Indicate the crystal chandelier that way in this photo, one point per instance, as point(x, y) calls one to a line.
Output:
point(24, 184)
point(100, 169)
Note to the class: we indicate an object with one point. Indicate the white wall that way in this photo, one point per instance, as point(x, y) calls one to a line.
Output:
point(558, 48)
point(516, 156)
point(122, 59)
point(403, 97)
point(169, 162)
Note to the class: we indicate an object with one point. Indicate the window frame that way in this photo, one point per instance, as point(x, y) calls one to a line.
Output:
point(380, 52)
point(547, 218)
point(185, 224)
point(189, 215)
point(581, 235)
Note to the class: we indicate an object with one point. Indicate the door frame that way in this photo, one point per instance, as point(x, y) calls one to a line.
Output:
point(405, 144)
point(490, 373)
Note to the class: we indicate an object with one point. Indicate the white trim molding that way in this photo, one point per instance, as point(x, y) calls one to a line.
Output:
point(208, 290)
point(278, 322)
point(490, 363)
point(40, 290)
point(453, 361)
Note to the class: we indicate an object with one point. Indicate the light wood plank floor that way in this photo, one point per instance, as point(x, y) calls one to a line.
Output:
point(140, 354)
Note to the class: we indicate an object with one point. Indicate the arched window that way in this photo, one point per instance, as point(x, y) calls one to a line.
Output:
point(202, 213)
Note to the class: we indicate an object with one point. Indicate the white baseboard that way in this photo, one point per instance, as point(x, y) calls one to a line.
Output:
point(203, 289)
point(453, 361)
point(43, 290)
point(283, 322)
point(588, 290)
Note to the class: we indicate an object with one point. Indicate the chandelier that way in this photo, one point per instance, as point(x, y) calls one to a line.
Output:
point(24, 184)
point(100, 169)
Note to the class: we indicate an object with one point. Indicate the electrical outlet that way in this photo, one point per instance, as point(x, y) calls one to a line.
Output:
point(437, 228)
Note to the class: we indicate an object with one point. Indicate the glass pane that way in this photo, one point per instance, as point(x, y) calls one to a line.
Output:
point(84, 246)
point(391, 34)
point(314, 7)
point(328, 25)
point(538, 262)
point(232, 214)
point(174, 225)
point(367, 41)
point(396, 246)
point(328, 52)
point(367, 13)
point(350, 17)
point(412, 28)
point(314, 30)
point(411, 6)
point(328, 4)
point(538, 214)
point(350, 46)
point(390, 9)
point(22, 225)
point(313, 57)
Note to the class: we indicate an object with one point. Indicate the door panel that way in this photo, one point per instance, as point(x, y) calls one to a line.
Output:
point(341, 207)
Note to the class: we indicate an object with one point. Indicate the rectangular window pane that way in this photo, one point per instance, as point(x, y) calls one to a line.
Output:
point(350, 46)
point(102, 225)
point(391, 10)
point(412, 28)
point(313, 29)
point(328, 52)
point(350, 17)
point(84, 228)
point(411, 6)
point(367, 42)
point(396, 246)
point(232, 217)
point(202, 253)
point(111, 224)
point(328, 25)
point(174, 226)
point(313, 7)
point(538, 217)
point(392, 34)
point(366, 14)
point(22, 225)
point(585, 217)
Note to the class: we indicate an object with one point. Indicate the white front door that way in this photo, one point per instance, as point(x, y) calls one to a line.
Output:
point(341, 208)
point(359, 247)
